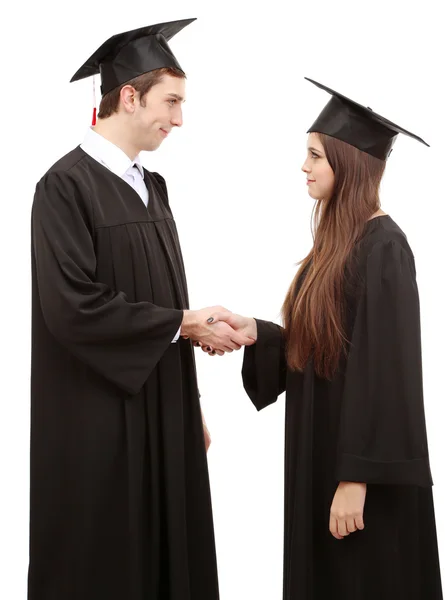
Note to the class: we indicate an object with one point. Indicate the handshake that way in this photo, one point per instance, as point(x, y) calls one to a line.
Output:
point(217, 330)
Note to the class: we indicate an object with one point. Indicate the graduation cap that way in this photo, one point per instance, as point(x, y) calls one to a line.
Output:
point(132, 53)
point(357, 125)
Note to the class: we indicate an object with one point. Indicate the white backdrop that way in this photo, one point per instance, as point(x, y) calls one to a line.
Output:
point(241, 205)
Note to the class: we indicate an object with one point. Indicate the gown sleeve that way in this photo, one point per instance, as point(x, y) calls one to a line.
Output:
point(121, 340)
point(383, 436)
point(264, 367)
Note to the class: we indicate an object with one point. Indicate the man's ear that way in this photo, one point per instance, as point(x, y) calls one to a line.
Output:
point(128, 98)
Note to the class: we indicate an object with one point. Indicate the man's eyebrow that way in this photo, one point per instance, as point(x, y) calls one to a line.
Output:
point(177, 96)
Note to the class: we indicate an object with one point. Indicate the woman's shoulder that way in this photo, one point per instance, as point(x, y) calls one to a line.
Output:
point(382, 233)
point(382, 251)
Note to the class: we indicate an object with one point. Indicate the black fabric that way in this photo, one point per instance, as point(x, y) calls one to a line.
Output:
point(130, 54)
point(366, 425)
point(357, 125)
point(120, 498)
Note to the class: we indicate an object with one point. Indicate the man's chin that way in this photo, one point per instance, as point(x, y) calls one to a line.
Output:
point(152, 147)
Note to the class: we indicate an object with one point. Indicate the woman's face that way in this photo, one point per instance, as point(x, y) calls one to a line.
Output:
point(319, 175)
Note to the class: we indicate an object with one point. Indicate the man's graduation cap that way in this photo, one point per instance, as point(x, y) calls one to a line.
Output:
point(127, 55)
point(357, 125)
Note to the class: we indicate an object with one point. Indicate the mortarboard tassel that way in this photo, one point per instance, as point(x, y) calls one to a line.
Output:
point(94, 102)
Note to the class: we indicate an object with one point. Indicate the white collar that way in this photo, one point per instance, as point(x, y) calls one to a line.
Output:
point(110, 155)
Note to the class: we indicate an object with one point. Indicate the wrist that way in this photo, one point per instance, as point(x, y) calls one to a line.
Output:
point(188, 322)
point(351, 484)
point(253, 329)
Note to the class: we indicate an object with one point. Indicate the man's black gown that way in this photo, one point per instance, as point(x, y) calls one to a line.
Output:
point(366, 425)
point(120, 498)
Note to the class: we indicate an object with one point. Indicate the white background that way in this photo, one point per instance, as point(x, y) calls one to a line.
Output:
point(241, 206)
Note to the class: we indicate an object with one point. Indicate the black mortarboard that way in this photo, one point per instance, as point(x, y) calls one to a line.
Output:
point(357, 125)
point(133, 53)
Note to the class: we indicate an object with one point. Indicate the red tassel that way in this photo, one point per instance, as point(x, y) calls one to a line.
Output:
point(94, 101)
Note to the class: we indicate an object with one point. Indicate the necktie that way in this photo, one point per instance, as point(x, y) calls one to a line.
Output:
point(137, 183)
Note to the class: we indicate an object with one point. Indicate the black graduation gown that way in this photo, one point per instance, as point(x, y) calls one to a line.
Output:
point(120, 497)
point(365, 425)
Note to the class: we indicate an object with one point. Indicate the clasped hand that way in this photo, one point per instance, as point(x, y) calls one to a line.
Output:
point(217, 330)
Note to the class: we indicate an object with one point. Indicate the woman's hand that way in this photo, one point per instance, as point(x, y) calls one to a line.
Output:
point(347, 509)
point(246, 326)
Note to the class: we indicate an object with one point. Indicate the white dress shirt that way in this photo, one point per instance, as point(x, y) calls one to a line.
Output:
point(111, 156)
point(117, 161)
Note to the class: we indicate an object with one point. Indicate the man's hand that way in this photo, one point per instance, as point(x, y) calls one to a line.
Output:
point(347, 509)
point(207, 438)
point(219, 336)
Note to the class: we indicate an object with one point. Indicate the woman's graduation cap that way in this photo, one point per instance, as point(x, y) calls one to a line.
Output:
point(357, 125)
point(127, 55)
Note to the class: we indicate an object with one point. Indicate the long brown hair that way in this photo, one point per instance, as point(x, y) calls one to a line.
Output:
point(142, 84)
point(314, 309)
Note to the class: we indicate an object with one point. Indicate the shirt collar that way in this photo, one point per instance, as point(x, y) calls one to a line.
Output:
point(110, 155)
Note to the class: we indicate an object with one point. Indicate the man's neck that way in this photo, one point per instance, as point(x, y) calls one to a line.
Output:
point(111, 130)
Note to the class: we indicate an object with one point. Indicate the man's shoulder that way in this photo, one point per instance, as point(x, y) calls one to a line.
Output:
point(67, 163)
point(158, 180)
point(65, 178)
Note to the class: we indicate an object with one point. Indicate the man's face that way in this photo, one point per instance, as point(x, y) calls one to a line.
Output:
point(159, 112)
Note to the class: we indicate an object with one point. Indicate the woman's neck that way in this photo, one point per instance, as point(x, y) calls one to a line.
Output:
point(379, 213)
